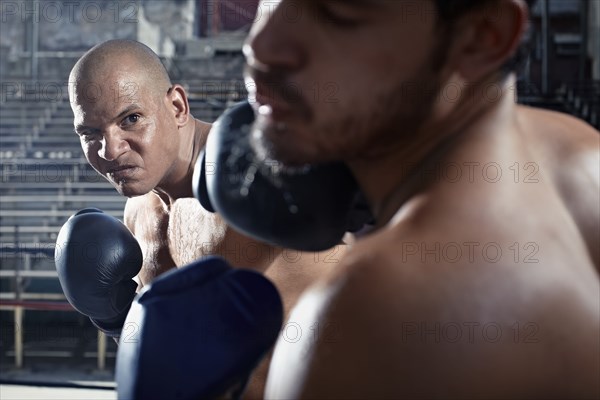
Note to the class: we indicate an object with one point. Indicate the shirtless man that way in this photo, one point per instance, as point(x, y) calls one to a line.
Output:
point(136, 130)
point(482, 278)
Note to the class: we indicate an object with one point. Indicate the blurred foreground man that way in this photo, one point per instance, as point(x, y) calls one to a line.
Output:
point(481, 280)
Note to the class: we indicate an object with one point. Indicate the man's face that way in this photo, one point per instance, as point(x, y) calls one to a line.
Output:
point(126, 131)
point(336, 79)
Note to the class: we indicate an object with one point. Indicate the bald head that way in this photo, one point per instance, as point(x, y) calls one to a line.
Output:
point(134, 126)
point(127, 59)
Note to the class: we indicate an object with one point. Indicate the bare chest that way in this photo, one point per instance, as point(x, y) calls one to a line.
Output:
point(193, 232)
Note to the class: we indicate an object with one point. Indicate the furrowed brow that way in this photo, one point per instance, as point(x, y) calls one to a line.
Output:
point(127, 110)
point(84, 128)
point(81, 128)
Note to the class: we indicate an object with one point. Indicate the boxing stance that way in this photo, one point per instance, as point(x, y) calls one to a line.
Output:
point(224, 320)
point(481, 279)
point(136, 130)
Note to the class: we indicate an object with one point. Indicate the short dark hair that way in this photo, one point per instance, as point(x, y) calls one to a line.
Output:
point(450, 10)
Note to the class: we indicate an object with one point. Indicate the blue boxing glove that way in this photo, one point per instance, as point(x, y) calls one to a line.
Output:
point(197, 332)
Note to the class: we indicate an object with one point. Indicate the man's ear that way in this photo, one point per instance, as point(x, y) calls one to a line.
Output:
point(178, 104)
point(487, 37)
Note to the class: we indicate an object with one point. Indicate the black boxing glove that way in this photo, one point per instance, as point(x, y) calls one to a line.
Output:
point(199, 183)
point(197, 332)
point(308, 210)
point(96, 258)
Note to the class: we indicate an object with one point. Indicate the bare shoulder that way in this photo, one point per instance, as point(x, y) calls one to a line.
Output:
point(568, 150)
point(142, 210)
point(562, 140)
point(572, 141)
point(147, 217)
point(387, 327)
point(560, 127)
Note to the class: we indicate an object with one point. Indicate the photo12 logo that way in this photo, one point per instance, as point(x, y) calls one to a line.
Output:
point(469, 332)
point(53, 12)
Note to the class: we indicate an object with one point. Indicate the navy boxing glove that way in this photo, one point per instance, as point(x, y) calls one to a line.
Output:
point(196, 332)
point(310, 210)
point(96, 258)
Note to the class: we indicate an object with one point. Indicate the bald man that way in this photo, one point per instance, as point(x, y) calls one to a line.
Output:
point(136, 131)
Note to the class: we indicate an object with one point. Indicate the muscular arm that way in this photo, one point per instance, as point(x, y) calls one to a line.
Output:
point(146, 219)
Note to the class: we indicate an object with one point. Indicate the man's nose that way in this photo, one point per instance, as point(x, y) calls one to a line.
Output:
point(114, 144)
point(274, 41)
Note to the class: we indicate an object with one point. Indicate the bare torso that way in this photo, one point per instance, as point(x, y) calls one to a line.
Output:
point(177, 236)
point(477, 288)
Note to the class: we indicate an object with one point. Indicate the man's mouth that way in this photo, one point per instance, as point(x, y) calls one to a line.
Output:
point(273, 96)
point(267, 102)
point(277, 107)
point(121, 172)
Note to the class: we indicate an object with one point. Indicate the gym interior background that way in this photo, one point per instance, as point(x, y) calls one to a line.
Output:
point(45, 177)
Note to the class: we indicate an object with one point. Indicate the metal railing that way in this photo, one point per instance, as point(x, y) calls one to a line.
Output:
point(19, 300)
point(19, 307)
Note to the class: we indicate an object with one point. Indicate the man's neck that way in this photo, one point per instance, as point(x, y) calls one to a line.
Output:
point(395, 177)
point(179, 181)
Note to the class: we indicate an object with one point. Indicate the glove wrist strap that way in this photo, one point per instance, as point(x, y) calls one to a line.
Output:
point(111, 327)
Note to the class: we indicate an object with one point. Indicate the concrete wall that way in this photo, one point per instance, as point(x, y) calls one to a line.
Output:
point(73, 26)
point(175, 18)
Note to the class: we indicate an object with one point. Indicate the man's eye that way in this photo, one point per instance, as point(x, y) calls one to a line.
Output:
point(336, 19)
point(131, 119)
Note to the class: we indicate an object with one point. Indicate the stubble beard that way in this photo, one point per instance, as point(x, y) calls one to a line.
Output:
point(394, 118)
